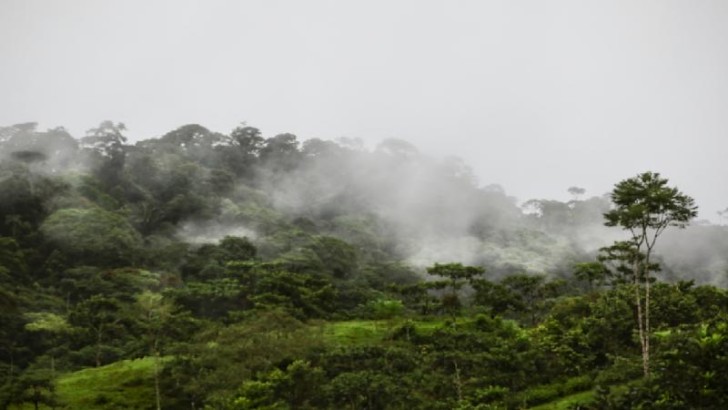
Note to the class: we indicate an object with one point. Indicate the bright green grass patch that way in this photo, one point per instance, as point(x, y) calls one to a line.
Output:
point(356, 332)
point(127, 384)
point(362, 332)
point(584, 397)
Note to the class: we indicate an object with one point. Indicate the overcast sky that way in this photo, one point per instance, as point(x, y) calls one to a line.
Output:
point(534, 95)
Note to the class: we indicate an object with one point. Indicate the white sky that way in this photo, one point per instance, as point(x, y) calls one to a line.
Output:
point(534, 95)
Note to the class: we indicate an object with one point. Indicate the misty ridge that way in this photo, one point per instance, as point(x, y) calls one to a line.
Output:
point(294, 198)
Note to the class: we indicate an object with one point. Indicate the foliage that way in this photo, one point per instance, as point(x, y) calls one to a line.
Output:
point(645, 206)
point(93, 235)
point(123, 384)
point(229, 270)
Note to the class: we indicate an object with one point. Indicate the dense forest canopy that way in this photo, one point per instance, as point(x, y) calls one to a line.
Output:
point(221, 261)
point(197, 185)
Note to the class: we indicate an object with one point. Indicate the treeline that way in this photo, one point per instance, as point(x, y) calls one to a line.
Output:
point(236, 262)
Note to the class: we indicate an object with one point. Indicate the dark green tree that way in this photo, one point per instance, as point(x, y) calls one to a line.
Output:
point(455, 276)
point(280, 153)
point(99, 318)
point(529, 293)
point(593, 273)
point(93, 235)
point(496, 297)
point(154, 315)
point(105, 147)
point(35, 385)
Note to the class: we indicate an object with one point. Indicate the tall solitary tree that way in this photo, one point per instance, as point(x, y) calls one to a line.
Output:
point(646, 206)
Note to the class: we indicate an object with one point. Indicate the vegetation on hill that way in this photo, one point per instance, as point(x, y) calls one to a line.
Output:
point(231, 271)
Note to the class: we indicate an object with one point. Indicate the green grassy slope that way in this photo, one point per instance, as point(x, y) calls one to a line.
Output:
point(127, 384)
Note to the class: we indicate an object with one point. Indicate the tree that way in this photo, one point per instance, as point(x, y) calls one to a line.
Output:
point(592, 273)
point(12, 260)
point(25, 200)
point(93, 235)
point(723, 214)
point(496, 297)
point(576, 192)
point(99, 316)
point(292, 387)
point(52, 151)
point(280, 154)
point(105, 147)
point(40, 386)
point(241, 156)
point(454, 275)
point(208, 371)
point(237, 248)
point(645, 207)
point(154, 315)
point(36, 386)
point(529, 291)
point(49, 323)
point(339, 258)
point(551, 215)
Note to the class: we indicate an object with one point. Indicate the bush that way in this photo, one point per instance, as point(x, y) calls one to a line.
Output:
point(577, 384)
point(490, 394)
point(622, 370)
point(535, 395)
point(549, 392)
point(408, 332)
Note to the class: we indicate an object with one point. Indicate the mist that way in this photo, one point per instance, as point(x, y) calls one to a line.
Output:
point(376, 204)
point(200, 186)
point(534, 97)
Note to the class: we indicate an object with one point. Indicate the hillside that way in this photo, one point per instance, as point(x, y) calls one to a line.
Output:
point(232, 271)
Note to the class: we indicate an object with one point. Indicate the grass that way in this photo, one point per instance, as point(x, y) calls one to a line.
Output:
point(355, 332)
point(563, 403)
point(584, 397)
point(364, 332)
point(127, 384)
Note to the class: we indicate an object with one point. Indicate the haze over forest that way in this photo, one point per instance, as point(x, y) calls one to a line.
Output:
point(426, 209)
point(401, 204)
point(534, 97)
point(235, 269)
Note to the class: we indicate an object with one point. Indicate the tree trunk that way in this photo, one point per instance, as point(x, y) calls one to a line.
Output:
point(156, 377)
point(646, 359)
point(640, 321)
point(458, 384)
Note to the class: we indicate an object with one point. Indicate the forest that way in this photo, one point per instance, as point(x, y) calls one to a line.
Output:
point(203, 270)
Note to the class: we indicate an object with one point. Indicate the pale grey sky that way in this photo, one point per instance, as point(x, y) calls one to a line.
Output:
point(535, 95)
